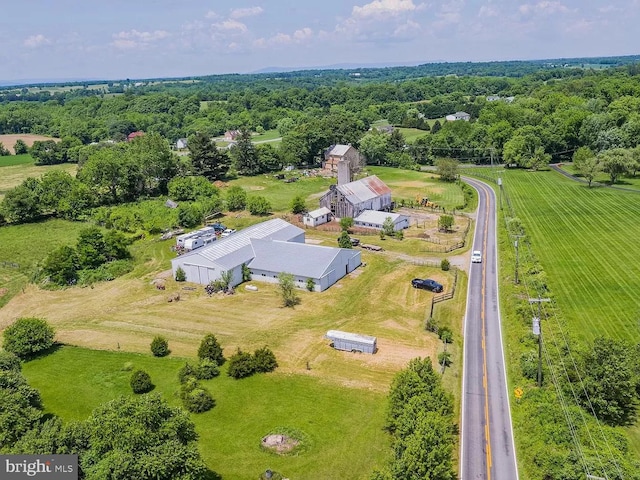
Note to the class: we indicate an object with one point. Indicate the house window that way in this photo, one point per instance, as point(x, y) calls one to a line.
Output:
point(263, 275)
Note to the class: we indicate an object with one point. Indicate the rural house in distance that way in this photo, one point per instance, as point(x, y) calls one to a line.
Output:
point(458, 116)
point(267, 249)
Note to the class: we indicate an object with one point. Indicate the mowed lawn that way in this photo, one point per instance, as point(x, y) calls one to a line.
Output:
point(376, 300)
point(342, 426)
point(587, 241)
point(409, 184)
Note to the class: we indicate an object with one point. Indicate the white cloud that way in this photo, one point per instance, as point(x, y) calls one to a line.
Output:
point(135, 39)
point(381, 21)
point(544, 7)
point(35, 41)
point(488, 11)
point(230, 26)
point(299, 36)
point(303, 34)
point(380, 8)
point(245, 12)
point(211, 14)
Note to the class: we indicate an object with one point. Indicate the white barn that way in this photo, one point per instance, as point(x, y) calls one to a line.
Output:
point(317, 217)
point(268, 249)
point(375, 219)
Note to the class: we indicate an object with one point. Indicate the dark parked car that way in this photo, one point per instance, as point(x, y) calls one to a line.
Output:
point(427, 284)
point(354, 241)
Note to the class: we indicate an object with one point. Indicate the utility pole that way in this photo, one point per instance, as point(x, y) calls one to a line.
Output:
point(517, 259)
point(537, 330)
point(500, 187)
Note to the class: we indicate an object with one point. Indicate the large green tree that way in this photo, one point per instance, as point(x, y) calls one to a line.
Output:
point(206, 159)
point(244, 155)
point(616, 162)
point(21, 204)
point(610, 381)
point(27, 337)
point(587, 164)
point(142, 438)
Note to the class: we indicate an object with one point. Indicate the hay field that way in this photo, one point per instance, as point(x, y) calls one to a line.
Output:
point(13, 175)
point(128, 312)
point(9, 140)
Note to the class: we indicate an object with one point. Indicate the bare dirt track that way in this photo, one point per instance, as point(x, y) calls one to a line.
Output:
point(9, 140)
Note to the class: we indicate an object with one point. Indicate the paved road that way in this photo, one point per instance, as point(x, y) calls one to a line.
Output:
point(487, 448)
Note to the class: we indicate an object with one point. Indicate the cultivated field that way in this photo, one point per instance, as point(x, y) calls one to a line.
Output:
point(587, 241)
point(9, 140)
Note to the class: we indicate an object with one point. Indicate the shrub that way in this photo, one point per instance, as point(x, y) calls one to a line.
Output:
point(159, 346)
point(286, 287)
point(445, 264)
point(264, 360)
point(529, 365)
point(207, 369)
point(28, 336)
point(258, 205)
point(241, 365)
point(446, 222)
point(187, 372)
point(9, 362)
point(140, 382)
point(211, 349)
point(189, 215)
point(181, 276)
point(127, 367)
point(311, 285)
point(297, 205)
point(346, 223)
point(236, 198)
point(445, 334)
point(444, 358)
point(195, 398)
point(399, 235)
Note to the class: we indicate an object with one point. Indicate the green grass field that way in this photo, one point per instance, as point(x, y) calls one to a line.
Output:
point(411, 134)
point(625, 181)
point(10, 160)
point(17, 247)
point(587, 241)
point(342, 426)
point(13, 175)
point(407, 184)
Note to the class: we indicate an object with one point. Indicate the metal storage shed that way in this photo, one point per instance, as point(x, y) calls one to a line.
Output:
point(352, 342)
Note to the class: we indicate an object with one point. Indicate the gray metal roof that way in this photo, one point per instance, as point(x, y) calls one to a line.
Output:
point(340, 150)
point(364, 189)
point(300, 259)
point(319, 212)
point(236, 249)
point(353, 337)
point(373, 216)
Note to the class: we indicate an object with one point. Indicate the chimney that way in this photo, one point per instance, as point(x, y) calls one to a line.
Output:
point(344, 171)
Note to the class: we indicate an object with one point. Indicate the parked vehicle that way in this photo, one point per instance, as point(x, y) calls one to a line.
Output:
point(427, 284)
point(476, 256)
point(218, 227)
point(228, 232)
point(354, 241)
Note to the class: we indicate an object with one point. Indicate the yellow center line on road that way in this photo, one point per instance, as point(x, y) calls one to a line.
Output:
point(487, 432)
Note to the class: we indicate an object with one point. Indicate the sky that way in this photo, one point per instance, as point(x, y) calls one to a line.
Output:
point(118, 39)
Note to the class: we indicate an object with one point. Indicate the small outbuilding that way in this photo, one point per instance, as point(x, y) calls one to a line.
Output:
point(375, 219)
point(352, 342)
point(458, 116)
point(317, 217)
point(181, 143)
